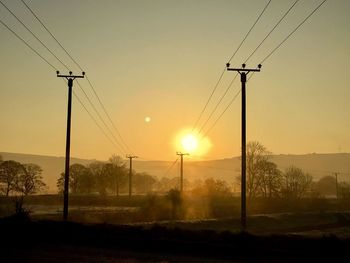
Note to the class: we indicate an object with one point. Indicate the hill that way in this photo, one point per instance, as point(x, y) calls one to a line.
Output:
point(318, 165)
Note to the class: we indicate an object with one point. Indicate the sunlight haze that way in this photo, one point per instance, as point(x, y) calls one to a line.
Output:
point(155, 63)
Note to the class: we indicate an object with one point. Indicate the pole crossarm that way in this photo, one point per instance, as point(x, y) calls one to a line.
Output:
point(70, 76)
point(243, 69)
point(182, 154)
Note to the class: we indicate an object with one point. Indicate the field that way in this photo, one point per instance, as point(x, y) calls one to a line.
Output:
point(130, 230)
point(311, 217)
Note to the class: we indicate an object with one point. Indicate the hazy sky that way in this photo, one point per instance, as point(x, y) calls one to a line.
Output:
point(161, 59)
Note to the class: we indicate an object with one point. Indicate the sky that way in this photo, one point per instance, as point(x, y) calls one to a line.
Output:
point(161, 59)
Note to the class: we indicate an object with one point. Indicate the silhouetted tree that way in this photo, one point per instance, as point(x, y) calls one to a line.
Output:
point(102, 179)
point(30, 180)
point(212, 188)
point(80, 180)
point(257, 156)
point(175, 198)
point(118, 173)
point(296, 183)
point(326, 185)
point(143, 182)
point(344, 190)
point(269, 179)
point(9, 174)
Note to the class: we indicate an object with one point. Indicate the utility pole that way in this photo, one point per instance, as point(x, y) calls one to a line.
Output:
point(130, 172)
point(336, 184)
point(70, 78)
point(243, 72)
point(182, 170)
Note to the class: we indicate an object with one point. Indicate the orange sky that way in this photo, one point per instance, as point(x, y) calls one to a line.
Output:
point(161, 59)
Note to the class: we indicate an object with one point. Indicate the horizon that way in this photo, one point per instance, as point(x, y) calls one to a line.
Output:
point(188, 160)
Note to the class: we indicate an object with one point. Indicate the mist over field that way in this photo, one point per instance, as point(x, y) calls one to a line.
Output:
point(317, 165)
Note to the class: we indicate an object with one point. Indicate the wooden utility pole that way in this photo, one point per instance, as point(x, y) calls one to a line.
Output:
point(182, 170)
point(243, 72)
point(70, 79)
point(336, 185)
point(130, 157)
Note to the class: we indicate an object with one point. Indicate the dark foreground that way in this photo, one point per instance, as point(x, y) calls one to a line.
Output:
point(49, 241)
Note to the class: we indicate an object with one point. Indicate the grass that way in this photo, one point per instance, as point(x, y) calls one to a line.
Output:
point(159, 244)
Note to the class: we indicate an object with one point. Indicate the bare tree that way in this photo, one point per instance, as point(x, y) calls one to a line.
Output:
point(257, 156)
point(296, 183)
point(270, 179)
point(9, 173)
point(30, 180)
point(118, 172)
point(101, 178)
point(263, 177)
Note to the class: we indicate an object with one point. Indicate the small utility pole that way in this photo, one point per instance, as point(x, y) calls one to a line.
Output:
point(336, 184)
point(130, 172)
point(182, 170)
point(243, 72)
point(70, 79)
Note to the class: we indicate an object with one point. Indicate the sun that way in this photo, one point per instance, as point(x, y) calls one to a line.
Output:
point(190, 143)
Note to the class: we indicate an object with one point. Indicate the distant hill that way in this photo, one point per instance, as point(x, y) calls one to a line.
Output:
point(318, 165)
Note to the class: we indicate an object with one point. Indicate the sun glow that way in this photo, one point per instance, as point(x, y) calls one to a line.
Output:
point(189, 141)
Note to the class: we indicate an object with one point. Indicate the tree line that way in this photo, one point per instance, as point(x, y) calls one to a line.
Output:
point(265, 180)
point(105, 178)
point(17, 178)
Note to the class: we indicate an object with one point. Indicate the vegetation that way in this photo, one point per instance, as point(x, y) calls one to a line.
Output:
point(105, 178)
point(17, 178)
point(99, 192)
point(56, 241)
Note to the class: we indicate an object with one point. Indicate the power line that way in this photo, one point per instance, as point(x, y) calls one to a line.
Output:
point(29, 46)
point(273, 29)
point(218, 103)
point(31, 32)
point(47, 30)
point(227, 107)
point(250, 30)
point(108, 116)
point(211, 95)
point(100, 117)
point(93, 118)
point(291, 33)
point(170, 167)
point(79, 66)
point(52, 66)
point(273, 51)
point(221, 75)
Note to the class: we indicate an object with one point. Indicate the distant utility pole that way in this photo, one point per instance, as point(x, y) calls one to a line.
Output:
point(336, 184)
point(243, 72)
point(182, 170)
point(70, 79)
point(130, 172)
